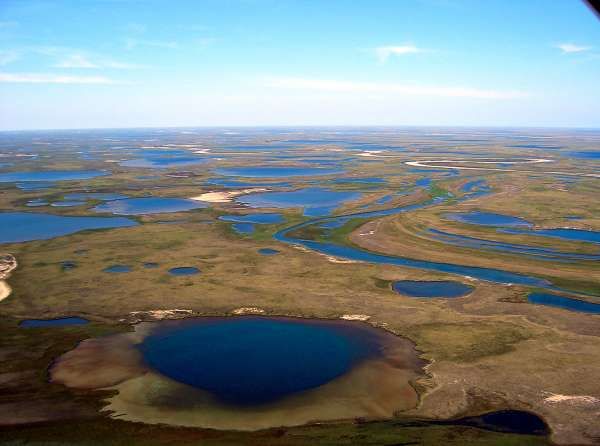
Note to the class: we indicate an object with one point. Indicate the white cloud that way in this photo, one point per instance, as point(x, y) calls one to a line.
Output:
point(373, 88)
point(76, 61)
point(383, 53)
point(48, 78)
point(7, 57)
point(133, 43)
point(572, 48)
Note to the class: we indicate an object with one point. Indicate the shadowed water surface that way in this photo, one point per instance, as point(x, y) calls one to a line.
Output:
point(276, 172)
point(58, 322)
point(184, 271)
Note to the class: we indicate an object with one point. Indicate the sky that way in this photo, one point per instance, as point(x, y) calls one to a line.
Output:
point(144, 63)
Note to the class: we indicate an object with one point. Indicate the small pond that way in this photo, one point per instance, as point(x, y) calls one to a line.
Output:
point(117, 269)
point(268, 251)
point(184, 271)
point(487, 219)
point(435, 288)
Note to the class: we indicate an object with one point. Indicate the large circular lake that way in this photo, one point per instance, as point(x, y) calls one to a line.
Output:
point(254, 360)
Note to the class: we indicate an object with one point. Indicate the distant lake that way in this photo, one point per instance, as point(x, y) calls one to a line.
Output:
point(26, 226)
point(148, 205)
point(102, 196)
point(276, 172)
point(487, 219)
point(163, 162)
point(591, 155)
point(51, 175)
point(315, 201)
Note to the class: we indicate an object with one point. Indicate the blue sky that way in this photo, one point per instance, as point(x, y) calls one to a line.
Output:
point(120, 63)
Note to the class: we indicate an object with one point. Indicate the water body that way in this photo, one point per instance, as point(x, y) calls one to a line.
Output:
point(385, 199)
point(276, 172)
point(436, 288)
point(244, 224)
point(254, 360)
point(26, 226)
point(508, 421)
point(548, 254)
point(268, 251)
point(423, 182)
point(315, 201)
point(579, 235)
point(163, 162)
point(351, 253)
point(58, 322)
point(150, 265)
point(117, 269)
point(588, 155)
point(67, 265)
point(567, 303)
point(148, 205)
point(487, 219)
point(34, 186)
point(184, 271)
point(51, 175)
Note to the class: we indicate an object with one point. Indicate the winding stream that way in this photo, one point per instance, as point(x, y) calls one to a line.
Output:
point(362, 255)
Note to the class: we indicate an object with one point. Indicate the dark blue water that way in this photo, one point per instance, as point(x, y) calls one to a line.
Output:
point(102, 196)
point(579, 235)
point(487, 219)
point(434, 288)
point(150, 265)
point(51, 175)
point(117, 269)
point(148, 205)
point(276, 172)
point(423, 182)
point(567, 303)
point(548, 254)
point(351, 253)
point(268, 251)
point(26, 226)
point(508, 421)
point(253, 360)
point(58, 322)
point(589, 155)
point(184, 271)
point(315, 201)
point(67, 265)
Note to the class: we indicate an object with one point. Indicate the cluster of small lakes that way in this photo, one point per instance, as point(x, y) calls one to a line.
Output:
point(249, 388)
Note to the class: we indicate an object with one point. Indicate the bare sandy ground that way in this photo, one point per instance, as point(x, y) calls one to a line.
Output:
point(225, 196)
